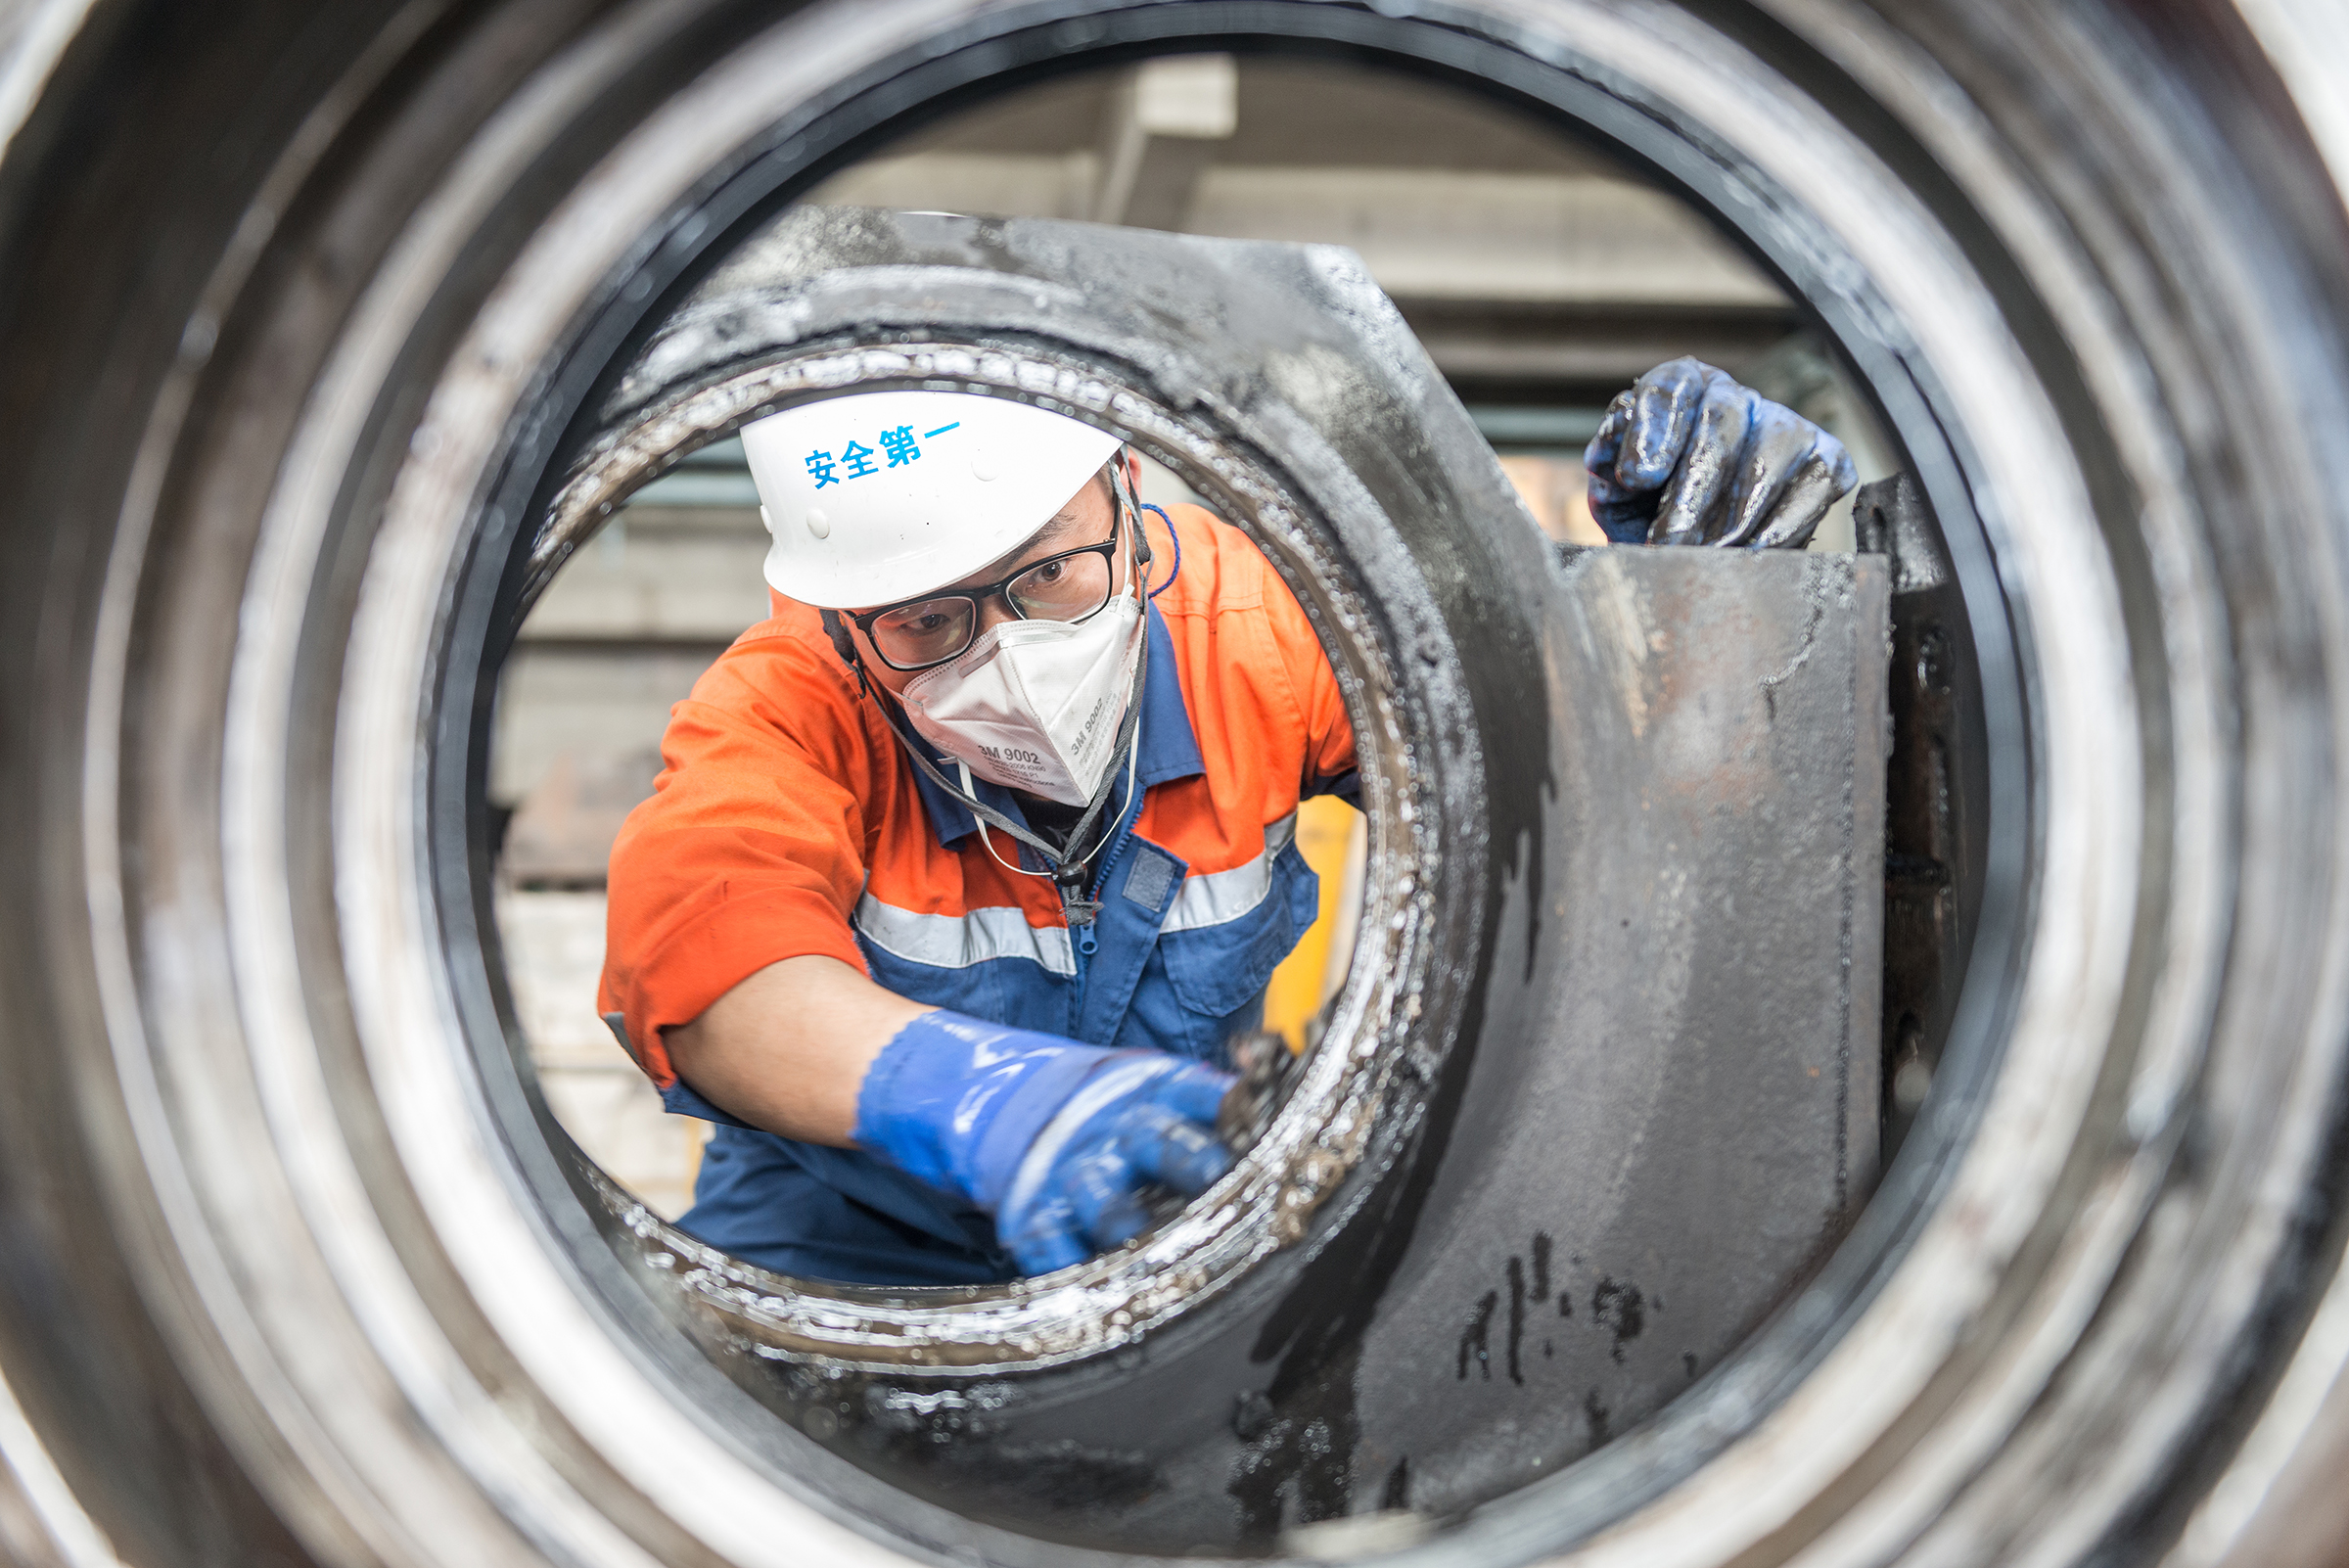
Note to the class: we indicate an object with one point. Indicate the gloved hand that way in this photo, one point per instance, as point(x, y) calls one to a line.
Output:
point(1688, 457)
point(1055, 1139)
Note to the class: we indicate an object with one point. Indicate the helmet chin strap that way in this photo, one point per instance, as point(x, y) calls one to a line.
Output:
point(1068, 872)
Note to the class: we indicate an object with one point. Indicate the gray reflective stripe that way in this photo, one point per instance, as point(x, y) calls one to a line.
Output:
point(949, 942)
point(618, 1023)
point(1222, 896)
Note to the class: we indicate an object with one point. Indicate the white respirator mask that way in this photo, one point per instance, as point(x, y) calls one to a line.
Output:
point(1036, 705)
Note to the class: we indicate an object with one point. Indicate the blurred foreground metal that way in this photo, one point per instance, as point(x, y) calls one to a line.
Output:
point(300, 302)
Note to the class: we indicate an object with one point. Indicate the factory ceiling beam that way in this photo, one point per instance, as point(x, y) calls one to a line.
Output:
point(1435, 233)
point(1162, 125)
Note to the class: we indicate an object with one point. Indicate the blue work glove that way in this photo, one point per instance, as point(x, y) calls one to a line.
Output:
point(1055, 1139)
point(1688, 457)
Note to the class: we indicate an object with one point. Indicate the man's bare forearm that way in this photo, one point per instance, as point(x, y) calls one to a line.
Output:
point(787, 1048)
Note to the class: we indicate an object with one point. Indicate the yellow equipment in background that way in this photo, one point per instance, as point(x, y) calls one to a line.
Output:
point(1334, 839)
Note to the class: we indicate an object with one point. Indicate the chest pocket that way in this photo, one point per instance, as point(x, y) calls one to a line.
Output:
point(1228, 931)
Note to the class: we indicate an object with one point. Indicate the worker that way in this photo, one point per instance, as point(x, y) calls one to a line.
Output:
point(965, 865)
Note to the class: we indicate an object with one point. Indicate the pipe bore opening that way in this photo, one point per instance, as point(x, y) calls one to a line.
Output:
point(1427, 394)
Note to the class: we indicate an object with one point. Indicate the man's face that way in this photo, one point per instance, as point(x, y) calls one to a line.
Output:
point(1085, 520)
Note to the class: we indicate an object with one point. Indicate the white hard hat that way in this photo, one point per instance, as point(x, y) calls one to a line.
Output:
point(879, 496)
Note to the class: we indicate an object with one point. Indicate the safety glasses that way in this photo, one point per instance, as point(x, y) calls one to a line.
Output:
point(917, 634)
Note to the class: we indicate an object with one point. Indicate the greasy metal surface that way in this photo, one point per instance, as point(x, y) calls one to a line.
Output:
point(1937, 829)
point(1700, 1121)
point(1650, 1173)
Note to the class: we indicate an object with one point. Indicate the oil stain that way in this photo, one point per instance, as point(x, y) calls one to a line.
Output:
point(1397, 1495)
point(1296, 1468)
point(1475, 1339)
point(1618, 1308)
point(1516, 1275)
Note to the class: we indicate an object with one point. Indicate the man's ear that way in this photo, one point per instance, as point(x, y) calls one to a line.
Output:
point(1130, 467)
point(842, 642)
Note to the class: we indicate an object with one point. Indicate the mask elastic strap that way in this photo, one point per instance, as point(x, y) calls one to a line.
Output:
point(1069, 874)
point(1081, 910)
point(1173, 537)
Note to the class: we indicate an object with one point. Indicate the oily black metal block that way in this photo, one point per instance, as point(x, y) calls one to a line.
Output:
point(1635, 1086)
point(1701, 1121)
